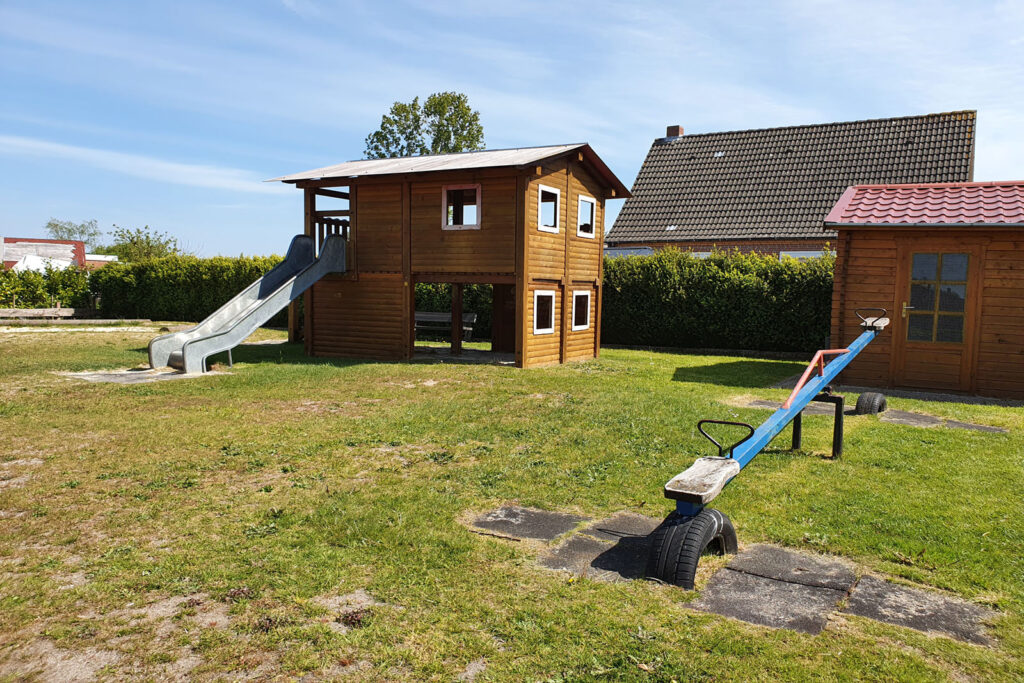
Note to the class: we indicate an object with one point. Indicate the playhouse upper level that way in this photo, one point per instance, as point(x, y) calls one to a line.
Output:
point(528, 221)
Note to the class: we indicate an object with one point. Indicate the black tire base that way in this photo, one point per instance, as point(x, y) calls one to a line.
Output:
point(679, 542)
point(870, 403)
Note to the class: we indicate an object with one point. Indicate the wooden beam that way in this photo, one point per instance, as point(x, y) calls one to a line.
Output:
point(456, 318)
point(467, 278)
point(332, 214)
point(333, 193)
point(521, 282)
point(309, 226)
point(408, 288)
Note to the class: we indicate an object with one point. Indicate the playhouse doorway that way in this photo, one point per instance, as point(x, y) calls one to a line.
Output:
point(472, 322)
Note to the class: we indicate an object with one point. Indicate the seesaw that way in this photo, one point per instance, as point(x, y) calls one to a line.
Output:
point(694, 529)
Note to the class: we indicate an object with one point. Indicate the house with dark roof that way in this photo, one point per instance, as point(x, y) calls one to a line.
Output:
point(769, 190)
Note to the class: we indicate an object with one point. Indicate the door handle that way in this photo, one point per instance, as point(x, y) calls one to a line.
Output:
point(906, 308)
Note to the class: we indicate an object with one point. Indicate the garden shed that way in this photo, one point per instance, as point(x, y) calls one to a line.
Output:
point(947, 261)
point(528, 221)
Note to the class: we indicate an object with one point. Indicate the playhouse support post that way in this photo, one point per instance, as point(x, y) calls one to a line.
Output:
point(456, 318)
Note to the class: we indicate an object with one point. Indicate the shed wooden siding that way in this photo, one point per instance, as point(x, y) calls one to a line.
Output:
point(866, 276)
point(362, 318)
point(1000, 368)
point(487, 250)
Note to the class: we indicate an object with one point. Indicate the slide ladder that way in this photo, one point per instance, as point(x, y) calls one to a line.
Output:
point(233, 322)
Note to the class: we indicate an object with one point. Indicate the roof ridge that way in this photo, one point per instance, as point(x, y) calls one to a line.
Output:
point(470, 151)
point(972, 112)
point(924, 186)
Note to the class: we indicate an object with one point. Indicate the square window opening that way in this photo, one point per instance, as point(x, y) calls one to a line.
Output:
point(547, 208)
point(586, 216)
point(580, 310)
point(544, 311)
point(461, 207)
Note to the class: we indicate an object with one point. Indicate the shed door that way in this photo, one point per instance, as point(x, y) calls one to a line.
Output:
point(937, 319)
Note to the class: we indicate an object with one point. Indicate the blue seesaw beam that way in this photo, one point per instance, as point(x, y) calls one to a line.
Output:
point(705, 479)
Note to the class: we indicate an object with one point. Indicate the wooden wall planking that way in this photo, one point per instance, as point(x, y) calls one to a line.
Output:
point(359, 318)
point(489, 249)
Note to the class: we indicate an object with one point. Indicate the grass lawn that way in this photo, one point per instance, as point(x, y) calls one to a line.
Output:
point(253, 493)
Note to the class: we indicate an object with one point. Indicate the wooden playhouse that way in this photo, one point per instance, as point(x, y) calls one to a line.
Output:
point(528, 221)
point(947, 261)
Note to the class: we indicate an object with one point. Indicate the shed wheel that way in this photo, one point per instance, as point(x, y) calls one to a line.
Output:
point(870, 403)
point(678, 543)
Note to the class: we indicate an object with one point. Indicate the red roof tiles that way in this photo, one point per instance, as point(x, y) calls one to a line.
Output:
point(999, 203)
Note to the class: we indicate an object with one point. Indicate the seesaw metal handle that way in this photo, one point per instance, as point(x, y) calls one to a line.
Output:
point(724, 451)
point(867, 310)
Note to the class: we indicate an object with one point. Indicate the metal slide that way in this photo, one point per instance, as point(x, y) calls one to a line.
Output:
point(693, 528)
point(233, 322)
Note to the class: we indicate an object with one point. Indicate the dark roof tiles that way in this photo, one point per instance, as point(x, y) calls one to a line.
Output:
point(779, 183)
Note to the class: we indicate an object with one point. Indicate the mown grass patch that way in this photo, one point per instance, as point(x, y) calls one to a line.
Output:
point(257, 492)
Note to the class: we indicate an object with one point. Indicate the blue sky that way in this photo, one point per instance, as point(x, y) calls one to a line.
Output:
point(172, 113)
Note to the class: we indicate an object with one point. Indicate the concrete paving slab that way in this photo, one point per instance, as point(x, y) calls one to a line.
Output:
point(902, 417)
point(918, 609)
point(772, 562)
point(521, 522)
point(767, 602)
point(585, 556)
point(956, 424)
point(622, 525)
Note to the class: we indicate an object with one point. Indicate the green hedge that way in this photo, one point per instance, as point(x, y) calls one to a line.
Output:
point(27, 289)
point(475, 299)
point(184, 288)
point(726, 301)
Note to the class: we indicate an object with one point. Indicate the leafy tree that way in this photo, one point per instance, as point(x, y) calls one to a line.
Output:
point(141, 244)
point(445, 123)
point(86, 231)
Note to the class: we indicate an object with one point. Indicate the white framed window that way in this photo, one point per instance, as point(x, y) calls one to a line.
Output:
point(544, 311)
point(549, 201)
point(461, 207)
point(586, 217)
point(580, 309)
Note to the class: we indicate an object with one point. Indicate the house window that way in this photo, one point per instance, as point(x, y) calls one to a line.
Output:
point(585, 217)
point(580, 310)
point(803, 255)
point(544, 311)
point(461, 207)
point(547, 208)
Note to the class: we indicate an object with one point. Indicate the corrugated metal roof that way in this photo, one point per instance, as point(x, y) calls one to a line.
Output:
point(490, 158)
point(779, 183)
point(931, 204)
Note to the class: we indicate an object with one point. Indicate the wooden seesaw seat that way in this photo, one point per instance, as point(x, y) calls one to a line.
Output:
point(702, 481)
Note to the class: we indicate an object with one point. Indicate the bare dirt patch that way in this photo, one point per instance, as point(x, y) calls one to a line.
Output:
point(13, 482)
point(42, 658)
point(344, 612)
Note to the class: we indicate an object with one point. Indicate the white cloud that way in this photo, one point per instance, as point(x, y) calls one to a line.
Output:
point(138, 166)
